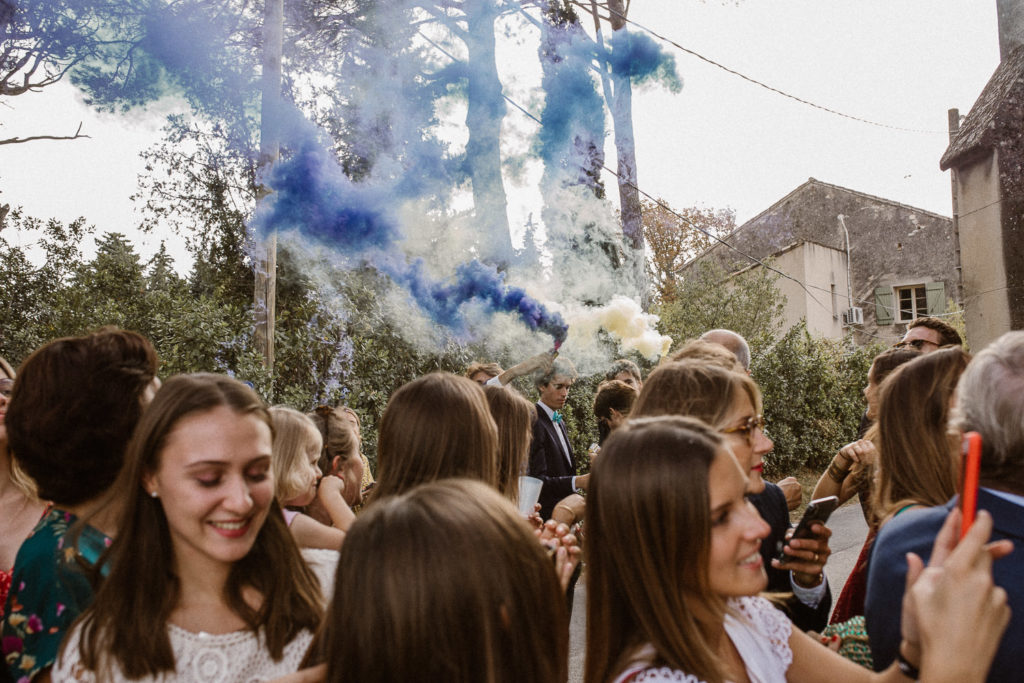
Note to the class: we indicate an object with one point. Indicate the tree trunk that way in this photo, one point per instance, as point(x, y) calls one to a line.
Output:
point(483, 119)
point(265, 296)
point(621, 107)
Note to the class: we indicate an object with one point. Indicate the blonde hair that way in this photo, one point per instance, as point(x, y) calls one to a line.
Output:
point(695, 388)
point(294, 433)
point(707, 351)
point(513, 416)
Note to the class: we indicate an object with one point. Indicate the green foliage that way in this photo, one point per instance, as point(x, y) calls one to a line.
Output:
point(707, 298)
point(813, 400)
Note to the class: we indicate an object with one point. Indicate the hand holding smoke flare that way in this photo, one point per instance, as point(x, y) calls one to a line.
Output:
point(311, 194)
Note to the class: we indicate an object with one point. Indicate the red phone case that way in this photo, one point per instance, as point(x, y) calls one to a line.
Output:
point(969, 480)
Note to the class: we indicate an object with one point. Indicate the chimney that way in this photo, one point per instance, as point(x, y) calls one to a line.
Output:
point(1011, 26)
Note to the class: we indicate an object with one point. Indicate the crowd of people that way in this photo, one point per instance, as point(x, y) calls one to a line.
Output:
point(185, 530)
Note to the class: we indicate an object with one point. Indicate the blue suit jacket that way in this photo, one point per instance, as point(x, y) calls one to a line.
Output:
point(548, 463)
point(915, 531)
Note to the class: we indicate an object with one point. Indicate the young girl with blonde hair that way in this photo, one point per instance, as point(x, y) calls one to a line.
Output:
point(299, 481)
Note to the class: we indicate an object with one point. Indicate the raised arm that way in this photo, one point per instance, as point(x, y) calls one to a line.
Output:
point(836, 481)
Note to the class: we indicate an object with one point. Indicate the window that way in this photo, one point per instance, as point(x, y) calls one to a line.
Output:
point(902, 303)
point(912, 302)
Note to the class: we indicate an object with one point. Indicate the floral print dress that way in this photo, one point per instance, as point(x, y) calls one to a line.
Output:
point(49, 589)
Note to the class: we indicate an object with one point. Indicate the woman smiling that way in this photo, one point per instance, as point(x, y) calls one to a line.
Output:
point(205, 580)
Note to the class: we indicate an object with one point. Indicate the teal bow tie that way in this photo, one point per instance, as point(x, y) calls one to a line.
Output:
point(556, 417)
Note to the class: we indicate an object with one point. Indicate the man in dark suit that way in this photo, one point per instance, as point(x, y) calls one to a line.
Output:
point(989, 402)
point(551, 456)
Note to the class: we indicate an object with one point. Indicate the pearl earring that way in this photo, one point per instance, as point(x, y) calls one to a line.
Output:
point(154, 494)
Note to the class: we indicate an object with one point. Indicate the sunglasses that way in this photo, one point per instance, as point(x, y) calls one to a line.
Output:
point(915, 343)
point(746, 430)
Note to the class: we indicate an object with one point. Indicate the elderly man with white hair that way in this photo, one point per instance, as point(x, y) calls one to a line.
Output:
point(988, 401)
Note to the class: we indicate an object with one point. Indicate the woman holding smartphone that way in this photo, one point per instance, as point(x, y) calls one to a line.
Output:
point(682, 604)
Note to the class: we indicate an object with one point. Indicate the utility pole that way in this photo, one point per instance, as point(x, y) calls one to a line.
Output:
point(953, 118)
point(265, 297)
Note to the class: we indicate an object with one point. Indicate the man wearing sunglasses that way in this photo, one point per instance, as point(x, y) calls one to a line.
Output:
point(927, 334)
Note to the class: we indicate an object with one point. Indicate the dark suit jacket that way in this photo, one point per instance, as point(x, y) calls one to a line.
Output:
point(915, 531)
point(771, 504)
point(548, 463)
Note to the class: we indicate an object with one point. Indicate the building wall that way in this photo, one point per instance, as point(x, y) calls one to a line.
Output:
point(986, 313)
point(826, 269)
point(792, 263)
point(822, 304)
point(891, 244)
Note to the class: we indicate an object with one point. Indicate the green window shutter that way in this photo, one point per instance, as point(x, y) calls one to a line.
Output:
point(936, 293)
point(883, 306)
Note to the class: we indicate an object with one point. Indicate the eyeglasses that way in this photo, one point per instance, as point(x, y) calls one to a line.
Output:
point(746, 430)
point(916, 343)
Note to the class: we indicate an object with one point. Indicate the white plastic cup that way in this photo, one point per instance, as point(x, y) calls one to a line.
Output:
point(529, 494)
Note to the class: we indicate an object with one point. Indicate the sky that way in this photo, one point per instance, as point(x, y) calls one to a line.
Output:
point(720, 142)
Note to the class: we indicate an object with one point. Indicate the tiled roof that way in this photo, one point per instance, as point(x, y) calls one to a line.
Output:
point(1002, 94)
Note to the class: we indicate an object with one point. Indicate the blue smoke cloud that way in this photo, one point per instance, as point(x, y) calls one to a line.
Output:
point(642, 59)
point(573, 108)
point(133, 52)
point(312, 195)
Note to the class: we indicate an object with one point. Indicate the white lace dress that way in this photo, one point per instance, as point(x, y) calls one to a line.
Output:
point(760, 634)
point(237, 657)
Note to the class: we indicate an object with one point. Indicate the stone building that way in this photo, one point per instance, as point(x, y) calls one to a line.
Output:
point(986, 157)
point(854, 262)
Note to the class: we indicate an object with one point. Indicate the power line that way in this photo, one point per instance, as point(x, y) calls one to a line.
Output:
point(757, 82)
point(682, 218)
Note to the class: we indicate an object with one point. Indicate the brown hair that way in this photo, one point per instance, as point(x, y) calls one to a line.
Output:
point(294, 434)
point(916, 453)
point(434, 427)
point(559, 366)
point(445, 583)
point(513, 416)
point(612, 394)
point(695, 388)
point(888, 360)
point(127, 622)
point(651, 482)
point(623, 365)
point(947, 333)
point(75, 403)
point(338, 435)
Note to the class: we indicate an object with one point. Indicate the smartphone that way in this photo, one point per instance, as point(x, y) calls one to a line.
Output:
point(971, 461)
point(819, 510)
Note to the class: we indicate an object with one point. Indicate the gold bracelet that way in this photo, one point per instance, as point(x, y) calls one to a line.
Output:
point(836, 473)
point(565, 507)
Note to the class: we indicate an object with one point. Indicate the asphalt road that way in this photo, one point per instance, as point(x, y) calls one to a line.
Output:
point(848, 532)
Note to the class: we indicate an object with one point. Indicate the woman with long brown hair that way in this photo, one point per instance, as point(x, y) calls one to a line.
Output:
point(674, 572)
point(436, 426)
point(730, 402)
point(445, 582)
point(204, 581)
point(917, 452)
